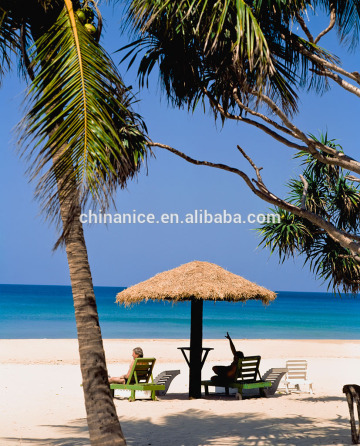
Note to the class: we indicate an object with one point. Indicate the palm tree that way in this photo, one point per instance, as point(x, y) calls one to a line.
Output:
point(213, 49)
point(82, 140)
point(330, 196)
point(245, 59)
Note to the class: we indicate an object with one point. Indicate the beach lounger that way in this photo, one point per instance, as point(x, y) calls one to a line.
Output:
point(140, 378)
point(297, 375)
point(274, 376)
point(247, 377)
point(165, 378)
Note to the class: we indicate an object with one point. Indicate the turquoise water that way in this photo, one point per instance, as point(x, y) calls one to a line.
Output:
point(40, 311)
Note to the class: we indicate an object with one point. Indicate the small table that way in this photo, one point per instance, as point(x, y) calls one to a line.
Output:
point(204, 349)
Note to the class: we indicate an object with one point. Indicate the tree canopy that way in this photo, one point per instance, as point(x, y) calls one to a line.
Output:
point(325, 191)
point(249, 60)
point(78, 108)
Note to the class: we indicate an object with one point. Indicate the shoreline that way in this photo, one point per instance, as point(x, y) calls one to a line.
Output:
point(50, 351)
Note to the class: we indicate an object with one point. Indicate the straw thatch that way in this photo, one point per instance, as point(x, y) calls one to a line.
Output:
point(201, 280)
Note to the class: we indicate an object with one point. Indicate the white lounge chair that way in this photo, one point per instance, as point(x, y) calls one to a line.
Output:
point(297, 375)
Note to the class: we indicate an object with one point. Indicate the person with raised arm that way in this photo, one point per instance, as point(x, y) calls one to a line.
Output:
point(228, 372)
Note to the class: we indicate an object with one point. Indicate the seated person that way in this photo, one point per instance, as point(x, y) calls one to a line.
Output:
point(136, 353)
point(227, 372)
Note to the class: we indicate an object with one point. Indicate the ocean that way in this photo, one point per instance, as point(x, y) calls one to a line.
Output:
point(41, 311)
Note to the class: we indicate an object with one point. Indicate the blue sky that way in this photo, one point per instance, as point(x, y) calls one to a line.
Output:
point(122, 255)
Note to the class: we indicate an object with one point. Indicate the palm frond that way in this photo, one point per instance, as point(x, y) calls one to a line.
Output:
point(288, 237)
point(79, 131)
point(222, 44)
point(345, 202)
point(330, 196)
point(317, 194)
point(205, 29)
point(335, 265)
point(322, 173)
point(209, 21)
point(9, 40)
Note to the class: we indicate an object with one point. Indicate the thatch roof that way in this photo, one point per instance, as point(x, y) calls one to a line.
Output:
point(201, 280)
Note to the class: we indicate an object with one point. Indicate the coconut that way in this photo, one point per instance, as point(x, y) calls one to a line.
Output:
point(90, 28)
point(81, 15)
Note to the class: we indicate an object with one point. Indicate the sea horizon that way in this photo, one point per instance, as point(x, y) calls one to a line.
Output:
point(46, 312)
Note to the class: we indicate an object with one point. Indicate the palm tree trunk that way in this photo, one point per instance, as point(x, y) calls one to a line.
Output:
point(103, 423)
point(102, 420)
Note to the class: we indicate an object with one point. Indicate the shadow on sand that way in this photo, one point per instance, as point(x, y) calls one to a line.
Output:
point(325, 399)
point(250, 429)
point(202, 428)
point(72, 434)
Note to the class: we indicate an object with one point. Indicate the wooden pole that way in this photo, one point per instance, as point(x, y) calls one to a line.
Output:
point(195, 348)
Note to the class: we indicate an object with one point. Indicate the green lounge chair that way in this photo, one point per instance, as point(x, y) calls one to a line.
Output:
point(247, 377)
point(140, 378)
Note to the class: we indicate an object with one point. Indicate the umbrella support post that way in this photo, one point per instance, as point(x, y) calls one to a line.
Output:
point(196, 335)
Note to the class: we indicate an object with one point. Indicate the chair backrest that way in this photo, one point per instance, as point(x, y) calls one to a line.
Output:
point(297, 369)
point(141, 371)
point(248, 368)
point(274, 374)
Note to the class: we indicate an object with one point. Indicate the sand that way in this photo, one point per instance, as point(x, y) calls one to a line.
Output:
point(42, 403)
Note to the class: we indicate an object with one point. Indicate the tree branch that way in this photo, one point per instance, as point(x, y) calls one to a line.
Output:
point(271, 104)
point(261, 116)
point(330, 27)
point(304, 27)
point(345, 239)
point(205, 163)
point(337, 158)
point(357, 258)
point(260, 126)
point(312, 147)
point(352, 178)
point(305, 191)
point(318, 61)
point(339, 80)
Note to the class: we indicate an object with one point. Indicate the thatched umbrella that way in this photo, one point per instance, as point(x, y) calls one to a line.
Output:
point(195, 281)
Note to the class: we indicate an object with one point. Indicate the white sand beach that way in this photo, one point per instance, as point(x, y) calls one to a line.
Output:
point(42, 402)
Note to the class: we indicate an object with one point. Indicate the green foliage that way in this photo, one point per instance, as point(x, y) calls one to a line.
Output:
point(287, 237)
point(324, 172)
point(81, 137)
point(247, 46)
point(79, 130)
point(221, 45)
point(9, 41)
point(333, 264)
point(332, 197)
